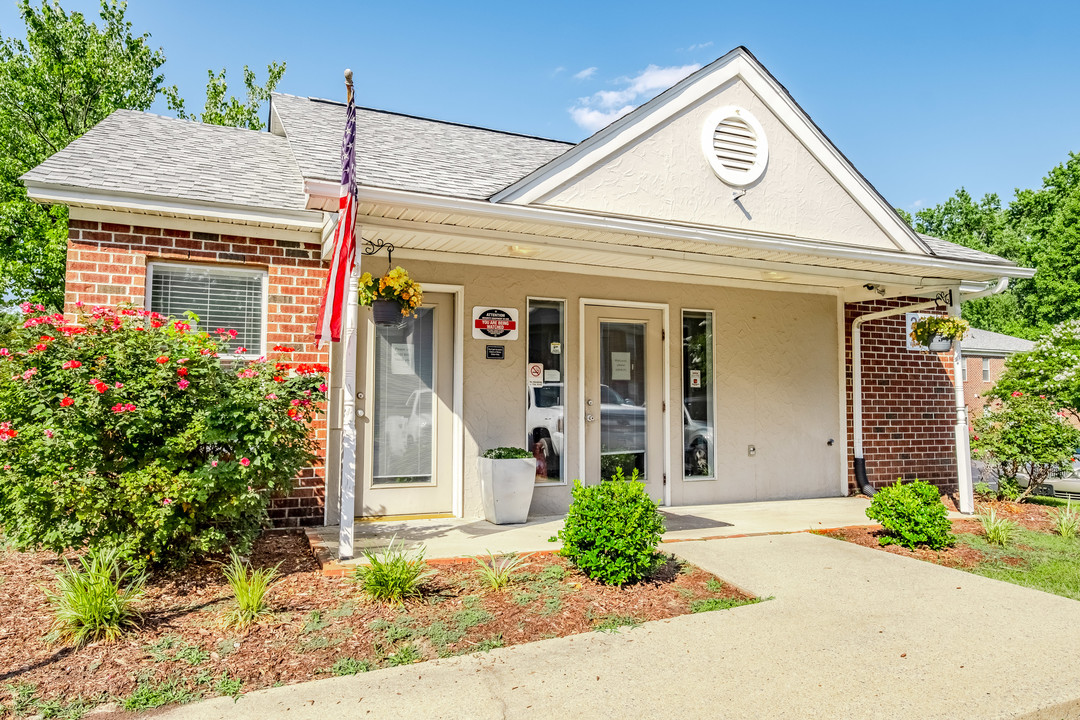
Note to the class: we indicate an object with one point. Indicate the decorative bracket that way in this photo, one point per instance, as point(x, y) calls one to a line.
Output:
point(945, 298)
point(374, 247)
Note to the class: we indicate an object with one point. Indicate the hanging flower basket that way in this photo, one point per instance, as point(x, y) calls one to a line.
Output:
point(393, 297)
point(937, 333)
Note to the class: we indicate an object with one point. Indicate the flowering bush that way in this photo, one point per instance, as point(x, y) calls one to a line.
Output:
point(1025, 435)
point(127, 431)
point(395, 286)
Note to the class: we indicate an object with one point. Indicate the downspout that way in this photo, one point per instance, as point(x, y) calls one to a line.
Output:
point(963, 459)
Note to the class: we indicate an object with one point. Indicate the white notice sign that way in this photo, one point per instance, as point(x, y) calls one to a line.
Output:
point(620, 366)
point(535, 375)
point(695, 378)
point(401, 359)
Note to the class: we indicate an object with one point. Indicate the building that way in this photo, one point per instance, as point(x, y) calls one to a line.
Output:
point(678, 292)
point(985, 354)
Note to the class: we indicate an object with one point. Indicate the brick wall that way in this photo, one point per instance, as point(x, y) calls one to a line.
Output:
point(975, 388)
point(106, 265)
point(908, 404)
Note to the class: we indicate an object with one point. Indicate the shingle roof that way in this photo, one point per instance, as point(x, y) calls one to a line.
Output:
point(403, 152)
point(144, 154)
point(985, 341)
point(952, 251)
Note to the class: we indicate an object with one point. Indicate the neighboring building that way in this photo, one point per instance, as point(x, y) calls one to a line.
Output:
point(687, 279)
point(984, 354)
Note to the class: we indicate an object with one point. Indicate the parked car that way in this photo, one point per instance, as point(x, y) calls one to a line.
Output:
point(544, 419)
point(697, 439)
point(1065, 485)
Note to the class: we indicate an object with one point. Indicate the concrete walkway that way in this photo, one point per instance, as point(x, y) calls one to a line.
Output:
point(851, 633)
point(453, 537)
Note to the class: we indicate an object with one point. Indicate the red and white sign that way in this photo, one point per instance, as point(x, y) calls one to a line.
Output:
point(535, 375)
point(491, 323)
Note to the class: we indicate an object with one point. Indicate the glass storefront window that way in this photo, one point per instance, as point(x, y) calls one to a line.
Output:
point(545, 416)
point(699, 446)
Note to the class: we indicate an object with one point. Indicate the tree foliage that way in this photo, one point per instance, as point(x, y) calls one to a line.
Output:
point(66, 76)
point(232, 112)
point(1051, 368)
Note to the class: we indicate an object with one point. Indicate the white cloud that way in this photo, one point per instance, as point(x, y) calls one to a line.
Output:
point(699, 46)
point(603, 107)
point(585, 74)
point(916, 205)
point(557, 71)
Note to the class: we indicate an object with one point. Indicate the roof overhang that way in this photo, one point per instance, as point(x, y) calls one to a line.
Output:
point(483, 228)
point(303, 221)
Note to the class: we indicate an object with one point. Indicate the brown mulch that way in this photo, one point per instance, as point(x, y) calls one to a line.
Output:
point(961, 556)
point(185, 609)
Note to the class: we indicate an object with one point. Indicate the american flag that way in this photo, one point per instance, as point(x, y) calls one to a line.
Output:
point(332, 307)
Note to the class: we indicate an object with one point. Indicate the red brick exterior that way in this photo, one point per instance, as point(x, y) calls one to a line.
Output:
point(975, 388)
point(106, 265)
point(908, 403)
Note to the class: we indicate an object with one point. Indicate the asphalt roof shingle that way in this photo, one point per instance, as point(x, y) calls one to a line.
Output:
point(145, 154)
point(953, 251)
point(985, 341)
point(403, 152)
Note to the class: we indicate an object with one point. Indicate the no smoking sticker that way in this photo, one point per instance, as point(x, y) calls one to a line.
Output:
point(535, 375)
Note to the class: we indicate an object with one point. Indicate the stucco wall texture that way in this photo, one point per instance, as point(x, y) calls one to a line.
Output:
point(665, 175)
point(908, 403)
point(776, 369)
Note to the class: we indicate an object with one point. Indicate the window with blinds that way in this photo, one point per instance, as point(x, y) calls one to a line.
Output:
point(225, 298)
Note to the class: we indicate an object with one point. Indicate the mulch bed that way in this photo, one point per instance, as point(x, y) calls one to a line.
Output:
point(961, 556)
point(183, 616)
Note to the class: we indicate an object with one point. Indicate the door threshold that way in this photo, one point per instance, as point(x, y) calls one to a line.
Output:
point(393, 518)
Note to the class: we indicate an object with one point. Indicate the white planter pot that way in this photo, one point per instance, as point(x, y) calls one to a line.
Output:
point(940, 344)
point(506, 487)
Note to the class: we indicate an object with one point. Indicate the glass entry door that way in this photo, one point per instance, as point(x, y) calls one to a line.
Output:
point(405, 435)
point(624, 396)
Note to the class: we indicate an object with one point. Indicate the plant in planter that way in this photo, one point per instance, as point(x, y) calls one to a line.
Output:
point(507, 477)
point(392, 297)
point(937, 332)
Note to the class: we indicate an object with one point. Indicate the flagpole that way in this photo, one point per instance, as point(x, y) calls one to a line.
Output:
point(348, 405)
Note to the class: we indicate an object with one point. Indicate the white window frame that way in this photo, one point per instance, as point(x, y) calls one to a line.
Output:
point(986, 369)
point(222, 270)
point(963, 370)
point(713, 396)
point(564, 470)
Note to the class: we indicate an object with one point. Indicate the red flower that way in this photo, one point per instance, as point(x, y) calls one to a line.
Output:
point(65, 401)
point(182, 371)
point(283, 348)
point(99, 386)
point(245, 462)
point(1017, 393)
point(72, 364)
point(156, 323)
point(278, 378)
point(162, 359)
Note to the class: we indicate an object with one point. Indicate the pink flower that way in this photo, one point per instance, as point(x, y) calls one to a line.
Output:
point(241, 349)
point(271, 396)
point(322, 387)
point(294, 402)
point(49, 434)
point(232, 334)
point(213, 463)
point(4, 352)
point(118, 385)
point(183, 384)
point(166, 502)
point(245, 462)
point(29, 373)
point(129, 407)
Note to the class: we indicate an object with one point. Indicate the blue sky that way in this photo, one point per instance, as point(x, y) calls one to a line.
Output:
point(923, 97)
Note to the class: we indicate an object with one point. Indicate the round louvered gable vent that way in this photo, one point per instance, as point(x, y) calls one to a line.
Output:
point(735, 145)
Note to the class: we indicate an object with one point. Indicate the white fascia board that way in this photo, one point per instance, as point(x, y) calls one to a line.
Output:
point(303, 220)
point(736, 65)
point(600, 223)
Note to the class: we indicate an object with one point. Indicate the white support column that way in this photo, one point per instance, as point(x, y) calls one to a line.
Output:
point(966, 490)
point(348, 420)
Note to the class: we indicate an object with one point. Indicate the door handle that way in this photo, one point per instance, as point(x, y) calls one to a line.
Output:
point(589, 418)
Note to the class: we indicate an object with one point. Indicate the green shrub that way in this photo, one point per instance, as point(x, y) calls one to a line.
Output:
point(612, 530)
point(127, 431)
point(349, 666)
point(1066, 521)
point(249, 586)
point(1024, 434)
point(999, 531)
point(912, 515)
point(507, 453)
point(498, 573)
point(95, 602)
point(394, 575)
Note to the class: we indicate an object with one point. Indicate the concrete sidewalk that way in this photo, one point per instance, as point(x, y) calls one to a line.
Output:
point(453, 537)
point(851, 633)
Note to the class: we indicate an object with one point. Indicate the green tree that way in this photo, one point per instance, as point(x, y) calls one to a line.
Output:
point(66, 76)
point(232, 112)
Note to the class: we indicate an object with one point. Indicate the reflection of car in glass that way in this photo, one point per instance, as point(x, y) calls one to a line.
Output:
point(544, 420)
point(622, 423)
point(418, 425)
point(1065, 486)
point(697, 439)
